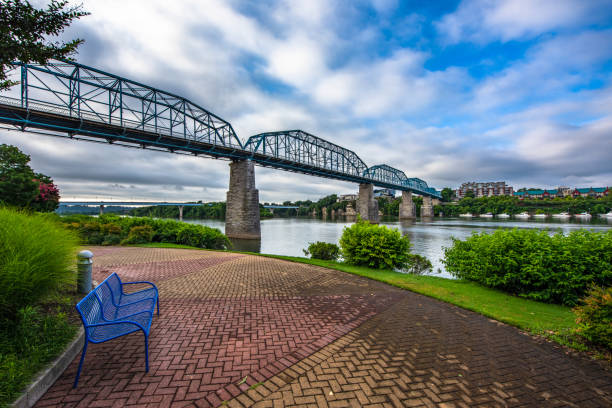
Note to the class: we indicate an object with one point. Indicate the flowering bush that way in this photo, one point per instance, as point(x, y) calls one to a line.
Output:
point(48, 196)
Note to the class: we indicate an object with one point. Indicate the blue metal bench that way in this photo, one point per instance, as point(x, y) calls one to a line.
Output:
point(120, 298)
point(104, 319)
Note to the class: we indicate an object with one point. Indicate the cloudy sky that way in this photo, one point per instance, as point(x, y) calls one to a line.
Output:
point(448, 91)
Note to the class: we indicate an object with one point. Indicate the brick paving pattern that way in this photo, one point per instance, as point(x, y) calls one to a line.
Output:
point(240, 330)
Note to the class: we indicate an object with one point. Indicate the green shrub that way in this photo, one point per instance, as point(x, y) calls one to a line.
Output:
point(375, 246)
point(111, 229)
point(142, 234)
point(534, 264)
point(594, 316)
point(322, 250)
point(418, 265)
point(37, 256)
point(202, 237)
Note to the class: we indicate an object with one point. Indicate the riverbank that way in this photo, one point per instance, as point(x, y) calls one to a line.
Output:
point(289, 236)
point(547, 321)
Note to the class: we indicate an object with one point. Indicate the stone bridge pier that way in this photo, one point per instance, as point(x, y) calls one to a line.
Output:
point(427, 207)
point(242, 208)
point(367, 206)
point(407, 210)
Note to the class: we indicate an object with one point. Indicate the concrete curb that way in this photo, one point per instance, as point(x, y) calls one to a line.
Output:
point(49, 375)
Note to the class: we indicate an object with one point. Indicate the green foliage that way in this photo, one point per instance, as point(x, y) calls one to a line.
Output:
point(37, 256)
point(389, 207)
point(25, 32)
point(418, 265)
point(534, 264)
point(205, 211)
point(140, 234)
point(17, 185)
point(202, 237)
point(323, 250)
point(447, 194)
point(28, 343)
point(112, 230)
point(375, 246)
point(512, 205)
point(594, 316)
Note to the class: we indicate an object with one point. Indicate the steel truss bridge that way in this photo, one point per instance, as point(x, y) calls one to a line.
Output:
point(64, 98)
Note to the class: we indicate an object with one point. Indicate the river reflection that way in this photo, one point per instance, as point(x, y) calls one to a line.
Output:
point(289, 236)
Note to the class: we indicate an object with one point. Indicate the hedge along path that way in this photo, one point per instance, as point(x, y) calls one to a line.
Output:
point(253, 330)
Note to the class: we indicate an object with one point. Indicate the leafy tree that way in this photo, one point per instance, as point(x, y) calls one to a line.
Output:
point(470, 194)
point(20, 186)
point(447, 194)
point(24, 32)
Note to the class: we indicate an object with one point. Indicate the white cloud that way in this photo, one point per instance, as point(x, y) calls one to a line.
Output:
point(484, 21)
point(549, 68)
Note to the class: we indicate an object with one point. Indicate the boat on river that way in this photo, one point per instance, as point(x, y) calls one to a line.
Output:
point(524, 215)
point(541, 216)
point(583, 215)
point(466, 215)
point(608, 215)
point(563, 215)
point(503, 215)
point(486, 215)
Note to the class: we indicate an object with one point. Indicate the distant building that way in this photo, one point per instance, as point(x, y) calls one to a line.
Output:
point(384, 193)
point(562, 192)
point(347, 197)
point(591, 192)
point(488, 189)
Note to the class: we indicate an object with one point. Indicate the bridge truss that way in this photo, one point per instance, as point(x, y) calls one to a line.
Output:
point(64, 98)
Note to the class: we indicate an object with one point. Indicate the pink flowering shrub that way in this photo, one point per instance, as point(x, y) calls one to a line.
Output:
point(48, 197)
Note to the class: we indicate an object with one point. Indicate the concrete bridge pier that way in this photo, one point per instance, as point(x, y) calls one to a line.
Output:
point(181, 212)
point(407, 210)
point(242, 211)
point(367, 206)
point(427, 207)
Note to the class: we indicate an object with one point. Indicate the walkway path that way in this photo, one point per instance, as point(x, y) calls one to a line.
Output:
point(258, 331)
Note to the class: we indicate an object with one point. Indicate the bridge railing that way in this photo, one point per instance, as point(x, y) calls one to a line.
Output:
point(71, 89)
point(308, 150)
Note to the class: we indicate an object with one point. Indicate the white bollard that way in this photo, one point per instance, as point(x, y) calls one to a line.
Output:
point(84, 267)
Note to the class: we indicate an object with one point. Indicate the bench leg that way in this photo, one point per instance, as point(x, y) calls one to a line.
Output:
point(76, 380)
point(146, 338)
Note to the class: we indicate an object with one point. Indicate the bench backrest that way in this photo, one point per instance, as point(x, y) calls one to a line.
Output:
point(90, 309)
point(105, 296)
point(114, 283)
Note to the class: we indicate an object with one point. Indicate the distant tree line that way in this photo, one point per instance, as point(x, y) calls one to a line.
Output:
point(200, 212)
point(512, 205)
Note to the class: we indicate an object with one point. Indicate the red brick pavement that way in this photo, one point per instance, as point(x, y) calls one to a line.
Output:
point(257, 331)
point(200, 347)
point(160, 271)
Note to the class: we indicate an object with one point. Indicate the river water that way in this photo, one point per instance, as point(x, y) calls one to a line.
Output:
point(289, 236)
